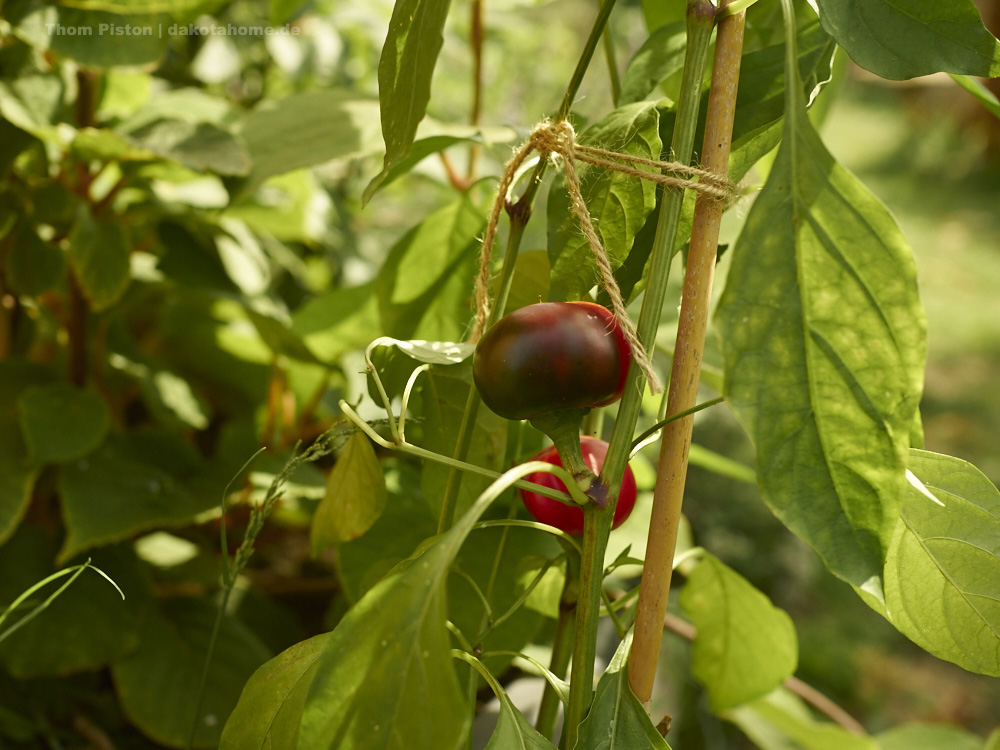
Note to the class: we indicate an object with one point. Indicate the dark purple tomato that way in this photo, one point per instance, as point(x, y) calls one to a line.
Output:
point(551, 356)
point(569, 518)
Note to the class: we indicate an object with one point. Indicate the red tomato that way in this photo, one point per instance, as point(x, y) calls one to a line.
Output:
point(569, 518)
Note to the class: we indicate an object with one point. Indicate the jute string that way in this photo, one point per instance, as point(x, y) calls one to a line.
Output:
point(559, 138)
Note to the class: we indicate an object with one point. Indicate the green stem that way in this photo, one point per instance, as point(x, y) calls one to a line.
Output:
point(575, 494)
point(563, 428)
point(562, 647)
point(596, 527)
point(597, 524)
point(609, 55)
point(588, 52)
point(226, 591)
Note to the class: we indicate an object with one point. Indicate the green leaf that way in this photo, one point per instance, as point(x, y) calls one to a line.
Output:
point(303, 130)
point(928, 737)
point(419, 151)
point(400, 529)
point(823, 338)
point(617, 720)
point(492, 560)
point(659, 57)
point(405, 69)
point(385, 680)
point(760, 99)
point(270, 706)
point(429, 352)
point(900, 39)
point(423, 287)
point(99, 253)
point(85, 627)
point(17, 472)
point(942, 574)
point(618, 204)
point(745, 647)
point(443, 394)
point(32, 101)
point(124, 487)
point(200, 146)
point(355, 496)
point(158, 683)
point(337, 321)
point(62, 422)
point(277, 333)
point(32, 265)
point(781, 721)
point(98, 38)
point(514, 731)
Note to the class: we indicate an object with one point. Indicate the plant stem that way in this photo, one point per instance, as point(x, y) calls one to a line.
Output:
point(76, 332)
point(597, 524)
point(476, 43)
point(609, 55)
point(684, 376)
point(562, 646)
point(596, 528)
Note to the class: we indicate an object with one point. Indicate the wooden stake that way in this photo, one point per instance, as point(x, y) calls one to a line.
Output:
point(685, 372)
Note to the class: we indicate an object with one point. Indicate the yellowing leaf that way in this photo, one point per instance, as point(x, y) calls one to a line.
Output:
point(355, 496)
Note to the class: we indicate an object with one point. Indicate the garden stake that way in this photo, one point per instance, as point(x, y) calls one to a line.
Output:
point(685, 370)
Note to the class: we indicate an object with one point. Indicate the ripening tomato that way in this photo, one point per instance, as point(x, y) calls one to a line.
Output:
point(551, 356)
point(567, 517)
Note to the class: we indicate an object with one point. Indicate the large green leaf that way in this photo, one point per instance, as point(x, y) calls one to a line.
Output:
point(62, 422)
point(270, 706)
point(355, 496)
point(132, 484)
point(303, 130)
point(745, 647)
point(617, 720)
point(405, 70)
point(87, 625)
point(942, 575)
point(423, 288)
point(338, 320)
point(201, 146)
point(96, 37)
point(900, 39)
point(158, 683)
point(618, 203)
point(385, 680)
point(823, 337)
point(781, 721)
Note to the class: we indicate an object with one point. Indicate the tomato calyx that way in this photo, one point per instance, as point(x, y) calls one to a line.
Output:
point(563, 428)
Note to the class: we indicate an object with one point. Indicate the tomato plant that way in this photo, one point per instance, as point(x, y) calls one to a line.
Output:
point(569, 518)
point(236, 374)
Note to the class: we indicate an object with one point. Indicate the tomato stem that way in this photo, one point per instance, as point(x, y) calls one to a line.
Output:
point(563, 429)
